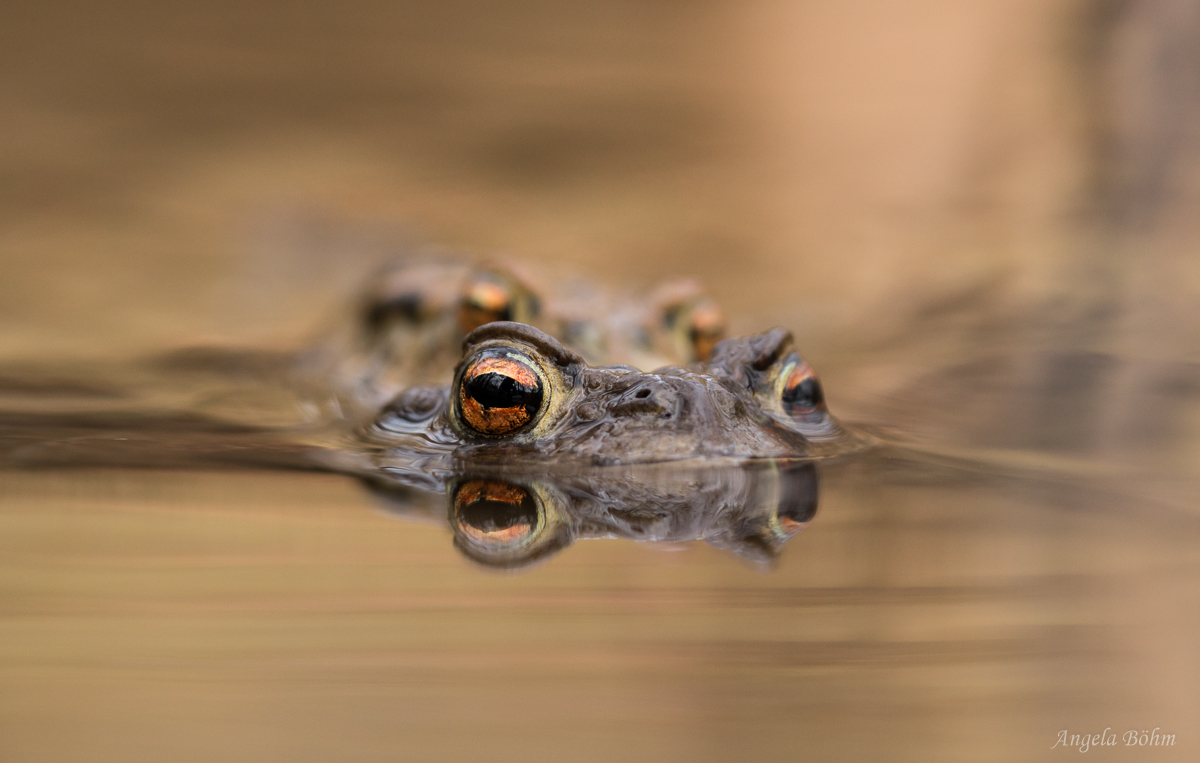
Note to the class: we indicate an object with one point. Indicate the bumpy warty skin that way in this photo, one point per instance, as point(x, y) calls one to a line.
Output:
point(662, 416)
point(614, 414)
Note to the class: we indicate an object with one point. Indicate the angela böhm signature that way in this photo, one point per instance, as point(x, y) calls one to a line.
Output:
point(1109, 738)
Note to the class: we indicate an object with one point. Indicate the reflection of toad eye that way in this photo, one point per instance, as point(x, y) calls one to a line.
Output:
point(492, 513)
point(797, 499)
point(802, 391)
point(499, 394)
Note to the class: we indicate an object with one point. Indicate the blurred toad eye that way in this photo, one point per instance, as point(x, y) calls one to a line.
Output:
point(697, 322)
point(408, 307)
point(499, 394)
point(802, 393)
point(495, 514)
point(485, 300)
point(490, 296)
point(706, 329)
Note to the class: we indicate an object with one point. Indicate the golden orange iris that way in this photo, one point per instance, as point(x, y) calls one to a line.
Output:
point(498, 395)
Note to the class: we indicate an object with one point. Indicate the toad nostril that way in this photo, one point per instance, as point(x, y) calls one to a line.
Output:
point(646, 398)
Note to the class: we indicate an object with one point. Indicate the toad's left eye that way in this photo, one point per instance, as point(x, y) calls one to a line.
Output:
point(802, 393)
point(498, 394)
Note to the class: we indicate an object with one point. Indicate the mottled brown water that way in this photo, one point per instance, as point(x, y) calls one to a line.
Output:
point(975, 216)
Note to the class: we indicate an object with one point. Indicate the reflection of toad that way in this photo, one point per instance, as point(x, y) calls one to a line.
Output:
point(508, 523)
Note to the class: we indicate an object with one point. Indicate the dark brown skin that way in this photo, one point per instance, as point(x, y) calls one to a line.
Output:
point(730, 409)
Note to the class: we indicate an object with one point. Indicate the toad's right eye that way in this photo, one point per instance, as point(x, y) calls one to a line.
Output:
point(499, 394)
point(801, 394)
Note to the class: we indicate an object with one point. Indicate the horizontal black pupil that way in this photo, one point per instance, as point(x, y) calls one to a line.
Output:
point(806, 394)
point(493, 390)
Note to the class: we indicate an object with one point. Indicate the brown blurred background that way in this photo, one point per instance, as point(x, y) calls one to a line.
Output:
point(849, 169)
